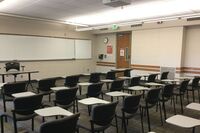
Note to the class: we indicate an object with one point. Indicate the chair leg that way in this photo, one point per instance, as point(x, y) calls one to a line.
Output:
point(188, 97)
point(198, 95)
point(193, 130)
point(174, 105)
point(15, 125)
point(32, 124)
point(4, 104)
point(193, 96)
point(164, 110)
point(124, 122)
point(181, 104)
point(76, 105)
point(141, 118)
point(2, 124)
point(148, 119)
point(49, 97)
point(161, 113)
point(116, 124)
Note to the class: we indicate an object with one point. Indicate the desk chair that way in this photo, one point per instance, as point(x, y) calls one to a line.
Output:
point(131, 105)
point(194, 87)
point(166, 95)
point(93, 90)
point(72, 81)
point(152, 77)
point(164, 75)
point(94, 77)
point(111, 75)
point(102, 117)
point(151, 100)
point(66, 98)
point(44, 86)
point(24, 108)
point(11, 88)
point(180, 91)
point(127, 73)
point(63, 125)
point(14, 65)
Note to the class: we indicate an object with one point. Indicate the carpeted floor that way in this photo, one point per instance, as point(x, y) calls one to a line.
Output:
point(134, 125)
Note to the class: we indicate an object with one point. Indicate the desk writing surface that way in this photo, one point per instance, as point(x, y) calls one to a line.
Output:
point(18, 72)
point(52, 111)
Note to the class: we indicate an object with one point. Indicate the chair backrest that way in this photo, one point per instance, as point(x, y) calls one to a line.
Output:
point(14, 65)
point(27, 105)
point(15, 87)
point(103, 114)
point(131, 104)
point(164, 75)
point(195, 82)
point(66, 96)
point(72, 81)
point(46, 84)
point(183, 86)
point(152, 96)
point(135, 81)
point(117, 85)
point(63, 125)
point(168, 91)
point(111, 75)
point(94, 90)
point(127, 73)
point(94, 77)
point(152, 77)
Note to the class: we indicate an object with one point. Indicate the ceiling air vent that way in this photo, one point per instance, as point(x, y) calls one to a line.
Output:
point(104, 29)
point(116, 3)
point(136, 25)
point(193, 19)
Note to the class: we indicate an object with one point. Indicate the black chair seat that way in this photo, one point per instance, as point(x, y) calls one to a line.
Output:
point(23, 118)
point(97, 128)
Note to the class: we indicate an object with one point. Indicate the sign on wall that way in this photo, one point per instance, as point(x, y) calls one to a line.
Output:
point(109, 49)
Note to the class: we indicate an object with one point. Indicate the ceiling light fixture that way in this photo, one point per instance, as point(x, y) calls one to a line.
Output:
point(76, 24)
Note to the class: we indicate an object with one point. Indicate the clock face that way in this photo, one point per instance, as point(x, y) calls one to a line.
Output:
point(105, 40)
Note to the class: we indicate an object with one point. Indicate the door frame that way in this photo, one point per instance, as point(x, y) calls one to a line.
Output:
point(130, 42)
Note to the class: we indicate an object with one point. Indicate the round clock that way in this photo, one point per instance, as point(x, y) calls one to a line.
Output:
point(105, 40)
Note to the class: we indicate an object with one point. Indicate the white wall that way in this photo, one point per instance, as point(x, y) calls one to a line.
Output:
point(101, 49)
point(158, 47)
point(192, 47)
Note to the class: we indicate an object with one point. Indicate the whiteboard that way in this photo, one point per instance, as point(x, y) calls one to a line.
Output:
point(15, 47)
point(83, 49)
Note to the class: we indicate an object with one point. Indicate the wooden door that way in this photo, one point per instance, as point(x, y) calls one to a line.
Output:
point(123, 50)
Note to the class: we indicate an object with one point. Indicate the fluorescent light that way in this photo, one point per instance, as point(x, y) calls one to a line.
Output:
point(76, 24)
point(10, 4)
point(147, 10)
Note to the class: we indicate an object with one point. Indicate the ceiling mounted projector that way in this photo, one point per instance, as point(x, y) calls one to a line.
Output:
point(116, 3)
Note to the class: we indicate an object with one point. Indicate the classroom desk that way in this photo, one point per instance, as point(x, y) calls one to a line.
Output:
point(52, 111)
point(183, 121)
point(194, 106)
point(117, 94)
point(171, 80)
point(83, 84)
point(59, 88)
point(138, 88)
point(154, 84)
point(92, 101)
point(107, 81)
point(3, 74)
point(23, 94)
